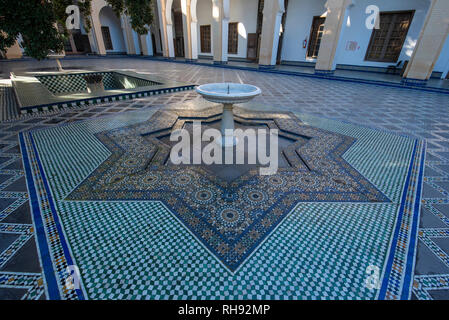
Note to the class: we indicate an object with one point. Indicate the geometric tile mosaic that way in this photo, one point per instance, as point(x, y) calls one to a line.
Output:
point(412, 113)
point(144, 249)
point(231, 218)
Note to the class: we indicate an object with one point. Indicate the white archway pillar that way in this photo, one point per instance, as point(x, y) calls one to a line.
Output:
point(194, 29)
point(271, 27)
point(165, 19)
point(335, 15)
point(220, 22)
point(72, 44)
point(169, 26)
point(128, 34)
point(96, 26)
point(429, 45)
point(91, 36)
point(144, 44)
point(185, 11)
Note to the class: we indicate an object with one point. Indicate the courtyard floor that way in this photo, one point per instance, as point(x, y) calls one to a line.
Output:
point(374, 115)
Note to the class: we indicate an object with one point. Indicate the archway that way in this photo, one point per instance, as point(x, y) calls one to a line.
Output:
point(179, 21)
point(111, 31)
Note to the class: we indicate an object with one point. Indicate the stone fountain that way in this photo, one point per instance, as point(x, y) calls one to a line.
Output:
point(228, 94)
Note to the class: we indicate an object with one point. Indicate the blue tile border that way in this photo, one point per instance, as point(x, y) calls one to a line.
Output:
point(414, 233)
point(324, 72)
point(414, 82)
point(42, 244)
point(266, 67)
point(397, 286)
point(50, 273)
point(63, 241)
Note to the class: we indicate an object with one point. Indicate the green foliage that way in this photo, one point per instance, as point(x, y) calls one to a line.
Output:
point(140, 12)
point(34, 21)
point(59, 7)
point(42, 23)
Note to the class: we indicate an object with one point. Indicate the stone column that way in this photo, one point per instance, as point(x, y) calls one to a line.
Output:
point(430, 42)
point(186, 27)
point(169, 26)
point(72, 44)
point(325, 63)
point(271, 27)
point(91, 36)
point(128, 34)
point(185, 11)
point(220, 21)
point(194, 29)
point(164, 7)
point(96, 27)
point(144, 43)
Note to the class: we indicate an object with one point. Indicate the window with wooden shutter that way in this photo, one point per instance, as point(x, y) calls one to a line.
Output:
point(233, 38)
point(205, 39)
point(316, 33)
point(106, 38)
point(386, 42)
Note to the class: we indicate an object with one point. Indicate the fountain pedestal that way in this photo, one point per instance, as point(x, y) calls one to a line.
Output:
point(228, 94)
point(227, 123)
point(94, 83)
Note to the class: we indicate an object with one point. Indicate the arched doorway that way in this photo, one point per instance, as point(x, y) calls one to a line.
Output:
point(178, 28)
point(111, 31)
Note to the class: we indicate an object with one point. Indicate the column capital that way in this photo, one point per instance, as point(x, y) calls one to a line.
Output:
point(168, 4)
point(336, 4)
point(193, 10)
point(220, 9)
point(273, 6)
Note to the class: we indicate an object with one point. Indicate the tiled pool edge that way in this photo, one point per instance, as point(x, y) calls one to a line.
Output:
point(92, 101)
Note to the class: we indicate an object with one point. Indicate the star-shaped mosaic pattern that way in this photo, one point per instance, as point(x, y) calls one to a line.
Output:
point(230, 217)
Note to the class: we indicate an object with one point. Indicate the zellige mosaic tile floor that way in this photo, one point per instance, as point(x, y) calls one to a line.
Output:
point(405, 112)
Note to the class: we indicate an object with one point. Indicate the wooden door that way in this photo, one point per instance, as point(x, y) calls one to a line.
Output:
point(251, 53)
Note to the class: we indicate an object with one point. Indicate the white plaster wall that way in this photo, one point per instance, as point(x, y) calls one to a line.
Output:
point(242, 11)
point(442, 63)
point(204, 15)
point(245, 13)
point(298, 22)
point(354, 29)
point(109, 19)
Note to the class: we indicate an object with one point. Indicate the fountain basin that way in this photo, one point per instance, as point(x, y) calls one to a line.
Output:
point(228, 93)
